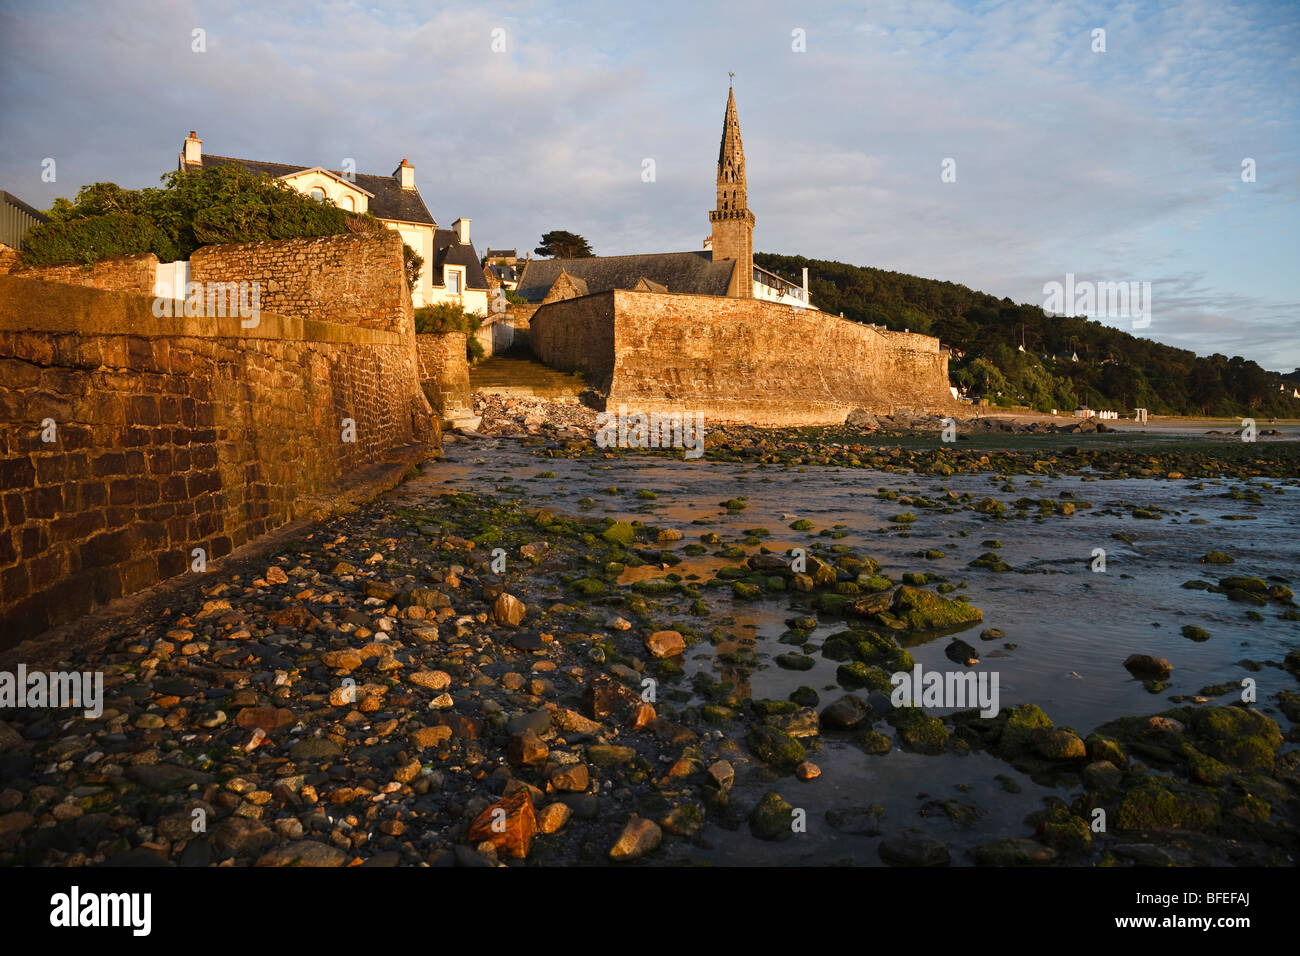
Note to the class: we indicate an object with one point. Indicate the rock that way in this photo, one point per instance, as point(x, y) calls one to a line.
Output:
point(921, 610)
point(509, 824)
point(772, 818)
point(527, 750)
point(432, 680)
point(1144, 666)
point(571, 778)
point(240, 836)
point(847, 713)
point(801, 724)
point(508, 610)
point(574, 722)
point(862, 419)
point(722, 773)
point(538, 721)
point(665, 643)
point(166, 777)
point(585, 806)
point(770, 745)
point(962, 653)
point(1014, 852)
point(303, 853)
point(315, 749)
point(606, 698)
point(858, 821)
point(552, 817)
point(426, 737)
point(914, 848)
point(1056, 744)
point(345, 660)
point(1102, 775)
point(807, 771)
point(639, 837)
point(609, 755)
point(10, 739)
point(13, 825)
point(275, 575)
point(268, 718)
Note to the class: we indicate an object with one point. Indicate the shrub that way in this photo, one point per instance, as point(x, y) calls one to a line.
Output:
point(220, 204)
point(449, 317)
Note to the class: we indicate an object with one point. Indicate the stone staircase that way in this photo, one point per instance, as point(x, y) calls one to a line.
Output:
point(518, 375)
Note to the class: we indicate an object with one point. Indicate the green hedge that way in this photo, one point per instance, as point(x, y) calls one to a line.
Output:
point(217, 205)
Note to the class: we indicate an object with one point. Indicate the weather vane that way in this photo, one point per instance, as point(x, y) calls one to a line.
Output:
point(732, 81)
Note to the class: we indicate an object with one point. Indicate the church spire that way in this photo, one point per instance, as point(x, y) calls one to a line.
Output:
point(732, 193)
point(732, 222)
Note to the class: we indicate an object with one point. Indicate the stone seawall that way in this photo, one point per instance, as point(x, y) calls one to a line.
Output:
point(577, 335)
point(739, 360)
point(174, 434)
point(444, 371)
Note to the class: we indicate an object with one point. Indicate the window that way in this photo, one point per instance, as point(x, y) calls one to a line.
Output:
point(349, 204)
point(453, 282)
point(317, 194)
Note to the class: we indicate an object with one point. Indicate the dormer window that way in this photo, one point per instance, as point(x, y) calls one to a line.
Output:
point(453, 282)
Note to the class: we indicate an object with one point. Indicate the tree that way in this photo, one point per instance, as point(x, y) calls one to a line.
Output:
point(559, 244)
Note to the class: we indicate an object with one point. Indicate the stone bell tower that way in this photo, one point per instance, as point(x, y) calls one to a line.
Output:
point(732, 222)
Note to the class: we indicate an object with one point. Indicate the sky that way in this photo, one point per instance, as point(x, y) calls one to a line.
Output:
point(1003, 146)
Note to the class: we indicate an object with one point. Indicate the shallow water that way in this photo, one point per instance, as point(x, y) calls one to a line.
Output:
point(1072, 627)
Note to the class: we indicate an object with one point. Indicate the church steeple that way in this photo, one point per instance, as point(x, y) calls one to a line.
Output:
point(731, 161)
point(732, 222)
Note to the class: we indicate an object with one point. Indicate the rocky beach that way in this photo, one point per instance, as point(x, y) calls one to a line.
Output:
point(538, 652)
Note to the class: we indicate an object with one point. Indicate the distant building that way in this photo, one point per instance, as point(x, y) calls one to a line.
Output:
point(451, 271)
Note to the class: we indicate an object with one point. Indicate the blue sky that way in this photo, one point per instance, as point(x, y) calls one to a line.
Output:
point(1115, 166)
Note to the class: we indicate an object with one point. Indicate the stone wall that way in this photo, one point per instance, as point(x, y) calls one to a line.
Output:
point(9, 259)
point(353, 279)
point(122, 274)
point(444, 372)
point(577, 335)
point(171, 434)
point(739, 360)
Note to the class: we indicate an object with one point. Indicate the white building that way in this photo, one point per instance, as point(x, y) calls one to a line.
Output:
point(451, 271)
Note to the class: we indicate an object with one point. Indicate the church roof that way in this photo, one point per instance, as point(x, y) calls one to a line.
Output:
point(388, 199)
point(684, 272)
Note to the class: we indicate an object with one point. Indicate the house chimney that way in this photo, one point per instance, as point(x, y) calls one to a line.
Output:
point(193, 152)
point(462, 230)
point(805, 285)
point(405, 174)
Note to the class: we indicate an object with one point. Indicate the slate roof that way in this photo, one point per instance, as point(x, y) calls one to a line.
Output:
point(685, 272)
point(448, 251)
point(502, 254)
point(388, 201)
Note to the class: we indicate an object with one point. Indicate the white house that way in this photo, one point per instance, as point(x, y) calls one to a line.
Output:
point(451, 272)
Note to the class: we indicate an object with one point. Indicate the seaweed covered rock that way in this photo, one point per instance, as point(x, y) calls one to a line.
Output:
point(772, 818)
point(774, 747)
point(1238, 736)
point(919, 731)
point(921, 610)
point(1162, 803)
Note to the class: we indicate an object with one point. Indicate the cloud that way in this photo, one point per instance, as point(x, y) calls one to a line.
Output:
point(1123, 164)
